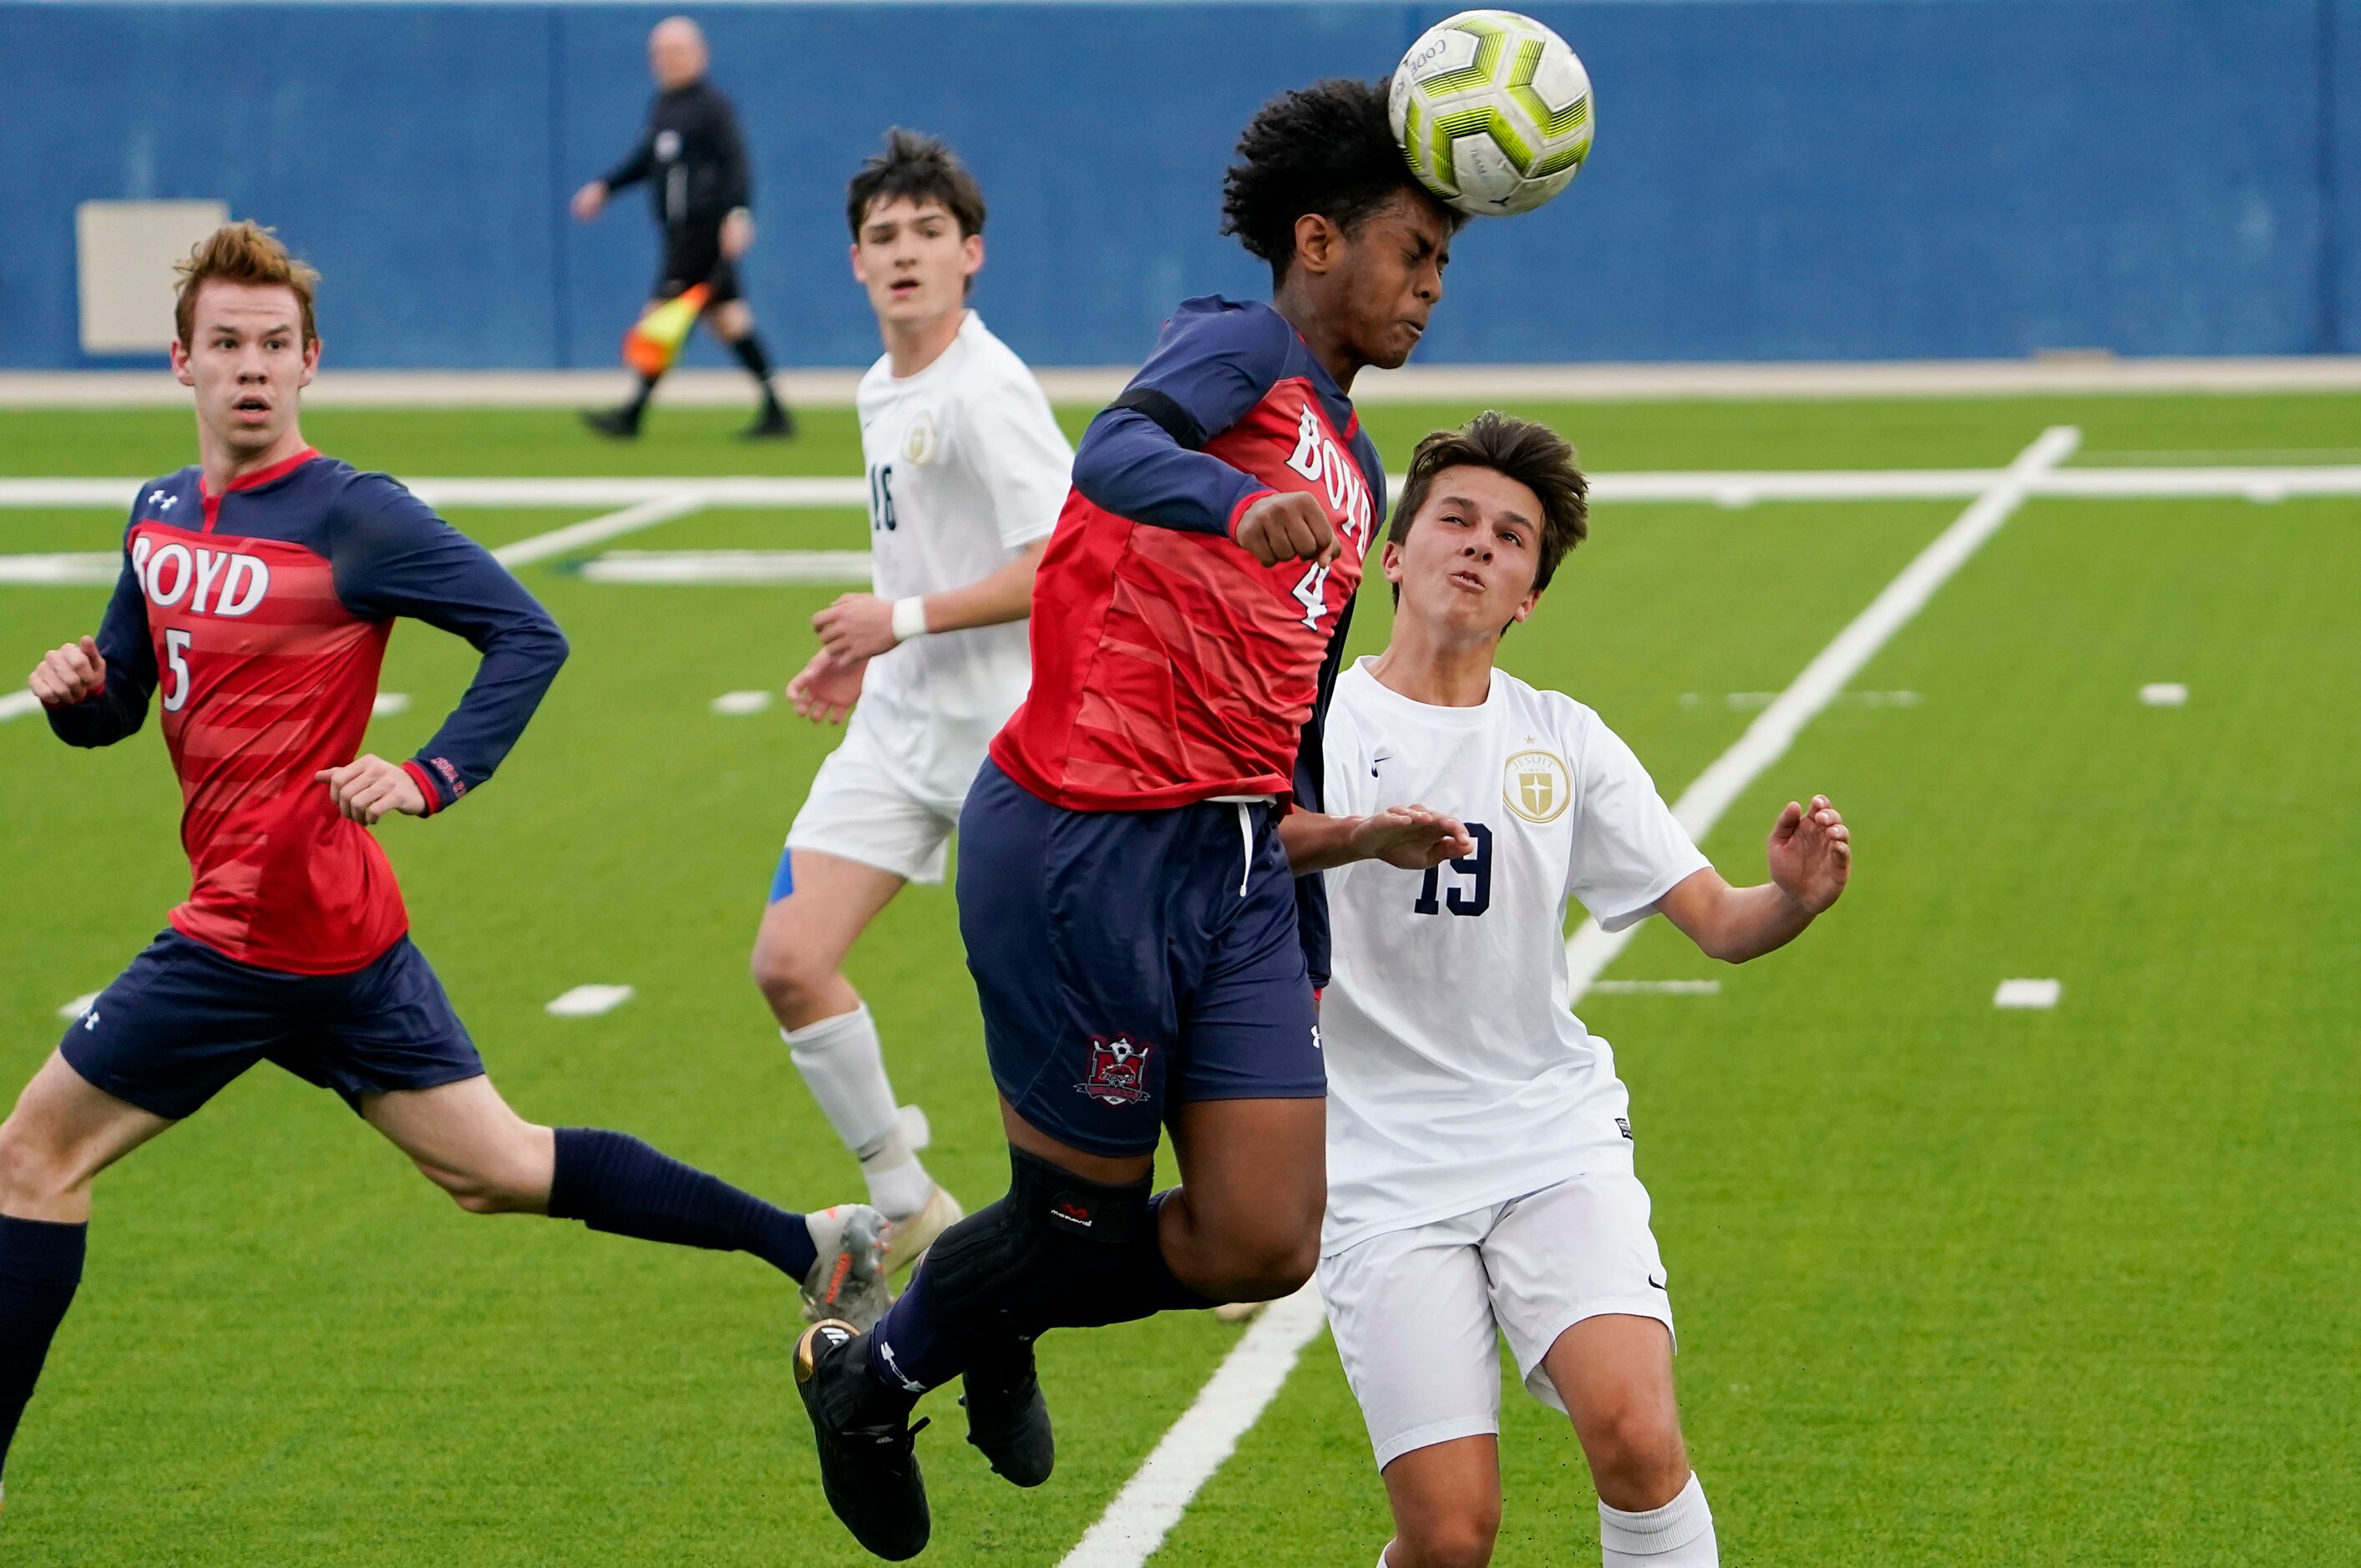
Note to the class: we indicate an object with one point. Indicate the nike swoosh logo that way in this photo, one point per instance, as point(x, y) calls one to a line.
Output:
point(1657, 1284)
point(1378, 761)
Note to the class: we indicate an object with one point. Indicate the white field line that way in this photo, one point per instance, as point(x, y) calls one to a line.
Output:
point(1589, 949)
point(726, 567)
point(76, 568)
point(1153, 1501)
point(1231, 1400)
point(574, 536)
point(16, 704)
point(1735, 488)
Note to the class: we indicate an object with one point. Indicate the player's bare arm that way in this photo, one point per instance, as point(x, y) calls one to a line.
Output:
point(861, 626)
point(1810, 856)
point(1412, 837)
point(69, 674)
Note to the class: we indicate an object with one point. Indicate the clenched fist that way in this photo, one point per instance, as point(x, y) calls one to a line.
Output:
point(1289, 526)
point(75, 673)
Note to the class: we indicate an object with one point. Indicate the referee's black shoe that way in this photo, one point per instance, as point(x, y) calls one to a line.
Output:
point(868, 1459)
point(1006, 1416)
point(623, 424)
point(773, 424)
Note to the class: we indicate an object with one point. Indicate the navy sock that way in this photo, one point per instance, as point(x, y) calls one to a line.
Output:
point(614, 1182)
point(1057, 1252)
point(40, 1265)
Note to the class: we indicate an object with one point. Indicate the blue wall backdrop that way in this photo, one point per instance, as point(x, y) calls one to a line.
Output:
point(1773, 179)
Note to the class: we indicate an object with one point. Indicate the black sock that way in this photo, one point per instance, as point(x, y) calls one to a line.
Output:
point(749, 350)
point(639, 401)
point(614, 1182)
point(40, 1265)
point(1055, 1253)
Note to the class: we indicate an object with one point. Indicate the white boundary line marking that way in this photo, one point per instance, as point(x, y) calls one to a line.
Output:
point(574, 536)
point(16, 704)
point(726, 567)
point(1589, 949)
point(1734, 488)
point(1231, 1400)
point(1136, 1522)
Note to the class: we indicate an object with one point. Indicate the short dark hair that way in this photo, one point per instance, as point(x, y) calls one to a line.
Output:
point(1524, 450)
point(1326, 149)
point(921, 169)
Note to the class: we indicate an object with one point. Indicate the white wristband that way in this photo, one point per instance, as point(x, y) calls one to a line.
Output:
point(909, 618)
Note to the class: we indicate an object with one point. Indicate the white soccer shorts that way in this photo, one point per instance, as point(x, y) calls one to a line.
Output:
point(1415, 1311)
point(872, 803)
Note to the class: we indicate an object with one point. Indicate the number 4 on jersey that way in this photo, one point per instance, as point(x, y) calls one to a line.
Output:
point(1312, 593)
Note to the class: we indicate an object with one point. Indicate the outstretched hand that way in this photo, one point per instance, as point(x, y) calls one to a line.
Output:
point(824, 691)
point(1411, 838)
point(367, 787)
point(1811, 854)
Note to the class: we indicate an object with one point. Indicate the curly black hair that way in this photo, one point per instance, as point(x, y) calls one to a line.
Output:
point(1326, 149)
point(921, 169)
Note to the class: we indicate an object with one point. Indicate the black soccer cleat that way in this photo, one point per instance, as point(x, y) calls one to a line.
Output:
point(1008, 1418)
point(868, 1458)
point(773, 424)
point(623, 424)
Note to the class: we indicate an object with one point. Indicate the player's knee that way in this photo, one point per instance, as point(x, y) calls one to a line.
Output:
point(1637, 1457)
point(790, 979)
point(498, 1185)
point(1461, 1537)
point(1268, 1261)
point(32, 1175)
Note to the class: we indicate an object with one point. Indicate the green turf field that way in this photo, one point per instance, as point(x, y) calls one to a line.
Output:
point(1955, 1285)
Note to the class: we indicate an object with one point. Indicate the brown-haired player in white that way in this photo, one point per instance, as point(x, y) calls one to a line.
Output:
point(1480, 1181)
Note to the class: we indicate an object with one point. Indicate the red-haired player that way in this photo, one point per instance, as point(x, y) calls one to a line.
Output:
point(258, 588)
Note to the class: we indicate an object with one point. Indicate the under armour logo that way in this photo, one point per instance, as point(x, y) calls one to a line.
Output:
point(162, 500)
point(1315, 1036)
point(90, 1021)
point(885, 1354)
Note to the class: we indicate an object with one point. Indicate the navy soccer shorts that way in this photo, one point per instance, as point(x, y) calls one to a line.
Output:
point(183, 1019)
point(1128, 960)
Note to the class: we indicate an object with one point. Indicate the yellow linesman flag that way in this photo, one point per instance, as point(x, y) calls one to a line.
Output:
point(654, 342)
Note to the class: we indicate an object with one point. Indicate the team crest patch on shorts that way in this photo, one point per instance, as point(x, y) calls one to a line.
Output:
point(1118, 1071)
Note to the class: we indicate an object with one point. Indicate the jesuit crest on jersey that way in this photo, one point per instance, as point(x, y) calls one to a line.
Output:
point(1537, 787)
point(1118, 1074)
point(919, 442)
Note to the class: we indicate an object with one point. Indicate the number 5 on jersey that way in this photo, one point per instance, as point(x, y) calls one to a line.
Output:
point(176, 670)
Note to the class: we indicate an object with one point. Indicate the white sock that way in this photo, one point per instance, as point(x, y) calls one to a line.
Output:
point(845, 1069)
point(1678, 1535)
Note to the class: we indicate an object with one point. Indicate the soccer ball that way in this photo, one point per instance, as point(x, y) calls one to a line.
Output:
point(1493, 112)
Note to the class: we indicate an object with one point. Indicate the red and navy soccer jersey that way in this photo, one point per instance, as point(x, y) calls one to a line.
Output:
point(1169, 666)
point(259, 618)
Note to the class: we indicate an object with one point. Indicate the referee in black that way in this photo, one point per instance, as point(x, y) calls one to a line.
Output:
point(695, 163)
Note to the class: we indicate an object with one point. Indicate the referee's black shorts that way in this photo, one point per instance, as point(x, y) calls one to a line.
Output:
point(692, 254)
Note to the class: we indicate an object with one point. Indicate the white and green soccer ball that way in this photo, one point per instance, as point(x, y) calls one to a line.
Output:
point(1493, 110)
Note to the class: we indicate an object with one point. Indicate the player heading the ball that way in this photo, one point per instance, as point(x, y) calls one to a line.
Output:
point(258, 588)
point(1128, 911)
point(1480, 1176)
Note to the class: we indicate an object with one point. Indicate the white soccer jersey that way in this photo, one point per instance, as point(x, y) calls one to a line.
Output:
point(966, 468)
point(1458, 1075)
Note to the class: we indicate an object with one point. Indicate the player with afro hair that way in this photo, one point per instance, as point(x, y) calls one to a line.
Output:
point(1144, 954)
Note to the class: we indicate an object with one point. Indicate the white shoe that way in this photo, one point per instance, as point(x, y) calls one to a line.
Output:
point(848, 1280)
point(906, 1240)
